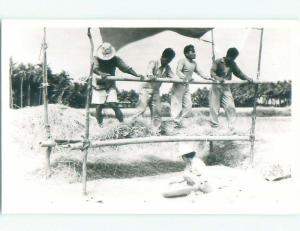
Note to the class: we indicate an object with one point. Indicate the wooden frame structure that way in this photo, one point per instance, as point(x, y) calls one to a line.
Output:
point(85, 144)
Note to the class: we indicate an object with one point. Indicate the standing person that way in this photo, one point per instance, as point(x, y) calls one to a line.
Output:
point(181, 102)
point(194, 178)
point(220, 94)
point(105, 91)
point(150, 95)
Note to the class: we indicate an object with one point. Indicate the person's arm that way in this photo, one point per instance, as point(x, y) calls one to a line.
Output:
point(127, 69)
point(176, 181)
point(238, 73)
point(213, 72)
point(203, 185)
point(179, 69)
point(132, 72)
point(150, 70)
point(170, 73)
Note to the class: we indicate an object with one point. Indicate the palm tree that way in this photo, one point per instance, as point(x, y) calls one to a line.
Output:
point(11, 69)
point(29, 78)
point(59, 83)
point(37, 83)
point(22, 75)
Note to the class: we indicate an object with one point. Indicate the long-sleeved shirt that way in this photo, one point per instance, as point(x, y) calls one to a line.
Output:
point(108, 67)
point(221, 70)
point(154, 68)
point(186, 68)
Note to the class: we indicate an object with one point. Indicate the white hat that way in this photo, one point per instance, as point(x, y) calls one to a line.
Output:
point(185, 148)
point(106, 51)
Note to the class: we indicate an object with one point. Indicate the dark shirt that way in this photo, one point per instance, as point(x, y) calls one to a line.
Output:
point(222, 70)
point(108, 67)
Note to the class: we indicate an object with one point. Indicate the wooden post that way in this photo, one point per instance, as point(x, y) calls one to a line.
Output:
point(213, 45)
point(152, 139)
point(252, 131)
point(11, 100)
point(211, 144)
point(213, 57)
point(45, 101)
point(87, 115)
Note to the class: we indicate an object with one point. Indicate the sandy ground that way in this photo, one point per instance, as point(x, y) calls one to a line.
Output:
point(141, 173)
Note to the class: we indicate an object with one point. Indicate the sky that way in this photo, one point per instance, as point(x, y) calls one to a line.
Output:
point(69, 50)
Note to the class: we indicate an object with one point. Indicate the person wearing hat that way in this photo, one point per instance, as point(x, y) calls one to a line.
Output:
point(150, 95)
point(220, 94)
point(105, 91)
point(181, 102)
point(194, 177)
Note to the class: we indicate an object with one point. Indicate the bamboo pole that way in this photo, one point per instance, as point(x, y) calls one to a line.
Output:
point(79, 144)
point(156, 139)
point(60, 141)
point(45, 100)
point(211, 144)
point(252, 131)
point(213, 45)
point(163, 80)
point(87, 114)
point(213, 57)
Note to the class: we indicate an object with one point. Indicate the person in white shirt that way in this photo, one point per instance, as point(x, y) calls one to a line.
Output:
point(150, 94)
point(181, 102)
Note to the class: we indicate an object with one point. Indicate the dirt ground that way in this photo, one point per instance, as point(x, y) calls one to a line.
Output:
point(131, 179)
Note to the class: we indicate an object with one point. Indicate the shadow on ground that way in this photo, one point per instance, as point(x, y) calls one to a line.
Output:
point(228, 153)
point(71, 170)
point(224, 153)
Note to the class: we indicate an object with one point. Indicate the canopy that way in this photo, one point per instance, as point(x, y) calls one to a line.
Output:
point(120, 37)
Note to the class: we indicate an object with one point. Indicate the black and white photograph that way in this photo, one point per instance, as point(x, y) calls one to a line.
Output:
point(148, 116)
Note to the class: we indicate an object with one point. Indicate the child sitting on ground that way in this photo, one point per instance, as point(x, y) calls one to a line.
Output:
point(193, 179)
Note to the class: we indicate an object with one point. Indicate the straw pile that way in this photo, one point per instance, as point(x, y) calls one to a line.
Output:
point(134, 160)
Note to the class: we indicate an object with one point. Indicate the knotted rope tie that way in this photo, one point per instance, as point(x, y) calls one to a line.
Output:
point(86, 144)
point(252, 137)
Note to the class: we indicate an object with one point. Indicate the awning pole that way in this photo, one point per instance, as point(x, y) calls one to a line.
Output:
point(45, 101)
point(211, 144)
point(213, 45)
point(252, 132)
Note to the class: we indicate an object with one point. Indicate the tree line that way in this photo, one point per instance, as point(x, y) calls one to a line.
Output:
point(26, 90)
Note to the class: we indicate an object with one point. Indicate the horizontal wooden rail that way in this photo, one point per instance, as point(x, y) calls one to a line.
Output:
point(177, 80)
point(157, 139)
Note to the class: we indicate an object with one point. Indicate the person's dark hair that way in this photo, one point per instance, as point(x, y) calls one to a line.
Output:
point(232, 52)
point(188, 48)
point(190, 155)
point(168, 53)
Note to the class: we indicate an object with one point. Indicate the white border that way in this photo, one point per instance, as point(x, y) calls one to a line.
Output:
point(154, 23)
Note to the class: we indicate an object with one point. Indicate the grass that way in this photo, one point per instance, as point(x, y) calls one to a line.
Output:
point(131, 160)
